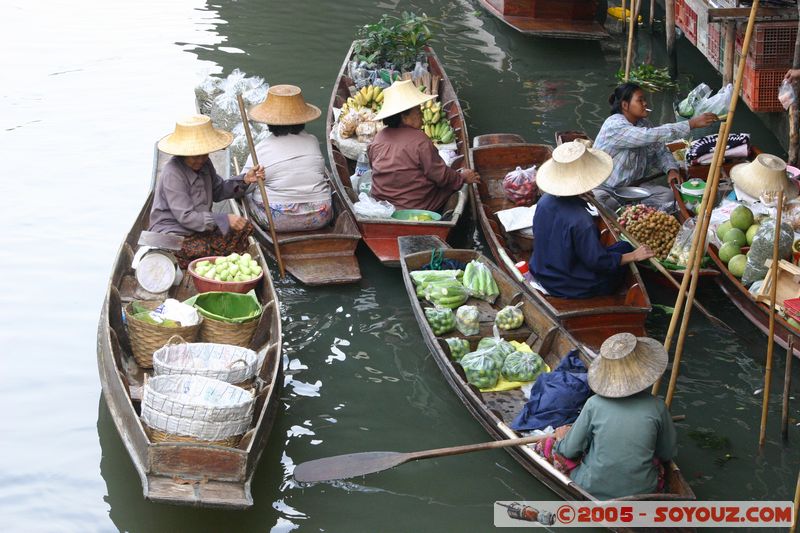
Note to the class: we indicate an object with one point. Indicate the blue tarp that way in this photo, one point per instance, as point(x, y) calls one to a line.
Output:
point(557, 397)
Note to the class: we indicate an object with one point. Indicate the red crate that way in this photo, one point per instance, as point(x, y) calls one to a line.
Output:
point(714, 52)
point(678, 8)
point(689, 22)
point(760, 87)
point(792, 307)
point(772, 44)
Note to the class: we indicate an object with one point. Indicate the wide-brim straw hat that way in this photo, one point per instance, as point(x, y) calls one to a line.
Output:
point(401, 96)
point(284, 106)
point(627, 364)
point(574, 169)
point(195, 135)
point(765, 173)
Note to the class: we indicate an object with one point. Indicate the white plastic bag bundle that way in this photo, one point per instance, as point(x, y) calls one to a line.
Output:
point(717, 104)
point(688, 105)
point(367, 206)
point(786, 94)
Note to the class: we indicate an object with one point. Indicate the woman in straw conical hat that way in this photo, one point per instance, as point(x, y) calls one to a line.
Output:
point(568, 260)
point(299, 194)
point(623, 433)
point(189, 185)
point(637, 147)
point(407, 170)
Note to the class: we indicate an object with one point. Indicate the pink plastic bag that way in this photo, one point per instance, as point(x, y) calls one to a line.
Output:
point(520, 186)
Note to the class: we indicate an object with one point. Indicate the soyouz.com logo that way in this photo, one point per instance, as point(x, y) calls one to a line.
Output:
point(727, 514)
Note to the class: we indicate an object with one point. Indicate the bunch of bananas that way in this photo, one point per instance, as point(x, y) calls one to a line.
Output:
point(368, 97)
point(435, 123)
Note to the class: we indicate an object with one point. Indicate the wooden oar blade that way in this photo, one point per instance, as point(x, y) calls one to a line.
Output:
point(347, 466)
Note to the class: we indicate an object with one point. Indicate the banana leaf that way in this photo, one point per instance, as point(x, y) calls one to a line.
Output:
point(228, 307)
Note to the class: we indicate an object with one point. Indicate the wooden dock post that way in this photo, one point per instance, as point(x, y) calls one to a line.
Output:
point(669, 29)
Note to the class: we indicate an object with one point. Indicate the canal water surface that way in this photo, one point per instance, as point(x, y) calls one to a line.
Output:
point(89, 87)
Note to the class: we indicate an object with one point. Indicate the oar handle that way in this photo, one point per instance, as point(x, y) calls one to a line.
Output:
point(458, 450)
point(262, 189)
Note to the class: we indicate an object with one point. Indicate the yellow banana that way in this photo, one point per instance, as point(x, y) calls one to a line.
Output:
point(359, 98)
point(370, 93)
point(351, 102)
point(435, 107)
point(379, 97)
point(435, 116)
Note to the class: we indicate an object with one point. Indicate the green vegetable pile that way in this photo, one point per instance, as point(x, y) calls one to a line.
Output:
point(423, 278)
point(233, 267)
point(458, 347)
point(441, 320)
point(446, 293)
point(509, 317)
point(478, 279)
point(522, 366)
point(649, 77)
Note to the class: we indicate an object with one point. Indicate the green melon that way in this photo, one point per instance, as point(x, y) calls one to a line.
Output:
point(751, 232)
point(736, 265)
point(735, 235)
point(722, 229)
point(742, 218)
point(728, 251)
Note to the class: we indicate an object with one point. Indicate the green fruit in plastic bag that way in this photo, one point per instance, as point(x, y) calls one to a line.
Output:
point(458, 347)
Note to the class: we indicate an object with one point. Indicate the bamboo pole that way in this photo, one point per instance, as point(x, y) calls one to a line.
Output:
point(629, 55)
point(704, 216)
point(796, 502)
point(264, 197)
point(773, 290)
point(787, 386)
point(652, 14)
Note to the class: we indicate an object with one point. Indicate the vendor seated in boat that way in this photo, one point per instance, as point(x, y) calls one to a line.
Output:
point(638, 148)
point(407, 170)
point(623, 433)
point(298, 191)
point(569, 261)
point(189, 185)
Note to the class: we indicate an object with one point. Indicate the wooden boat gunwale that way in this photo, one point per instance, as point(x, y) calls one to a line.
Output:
point(580, 320)
point(180, 472)
point(380, 234)
point(551, 338)
point(586, 30)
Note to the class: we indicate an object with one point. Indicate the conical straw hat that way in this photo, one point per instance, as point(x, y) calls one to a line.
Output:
point(284, 106)
point(766, 173)
point(574, 169)
point(401, 96)
point(627, 365)
point(194, 135)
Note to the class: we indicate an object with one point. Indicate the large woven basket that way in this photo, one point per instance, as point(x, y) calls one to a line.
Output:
point(147, 338)
point(219, 332)
point(225, 362)
point(185, 408)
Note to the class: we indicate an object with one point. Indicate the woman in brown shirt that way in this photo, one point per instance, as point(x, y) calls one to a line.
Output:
point(189, 185)
point(407, 170)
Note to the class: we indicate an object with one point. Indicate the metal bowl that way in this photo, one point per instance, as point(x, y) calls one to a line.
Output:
point(632, 193)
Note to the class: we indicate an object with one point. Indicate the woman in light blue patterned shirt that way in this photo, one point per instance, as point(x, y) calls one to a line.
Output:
point(638, 148)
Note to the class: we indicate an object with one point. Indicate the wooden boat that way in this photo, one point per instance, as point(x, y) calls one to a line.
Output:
point(318, 257)
point(181, 472)
point(570, 19)
point(496, 410)
point(380, 235)
point(590, 320)
point(756, 311)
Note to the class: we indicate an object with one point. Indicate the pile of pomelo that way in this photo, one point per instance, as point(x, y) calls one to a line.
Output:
point(734, 234)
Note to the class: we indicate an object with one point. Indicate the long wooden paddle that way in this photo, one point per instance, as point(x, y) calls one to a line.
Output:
point(658, 266)
point(261, 187)
point(360, 464)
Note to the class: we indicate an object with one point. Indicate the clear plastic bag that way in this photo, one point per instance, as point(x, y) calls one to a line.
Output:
point(479, 281)
point(686, 108)
point(367, 206)
point(679, 253)
point(481, 368)
point(458, 347)
point(522, 366)
point(510, 317)
point(467, 320)
point(717, 104)
point(499, 347)
point(786, 94)
point(520, 186)
point(447, 293)
point(424, 278)
point(761, 250)
point(441, 320)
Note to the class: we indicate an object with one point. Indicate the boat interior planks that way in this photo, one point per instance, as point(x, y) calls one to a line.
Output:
point(317, 257)
point(186, 473)
point(380, 235)
point(591, 320)
point(495, 411)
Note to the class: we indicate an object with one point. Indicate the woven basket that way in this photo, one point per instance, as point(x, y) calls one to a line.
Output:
point(219, 332)
point(159, 436)
point(147, 338)
point(225, 362)
point(194, 408)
